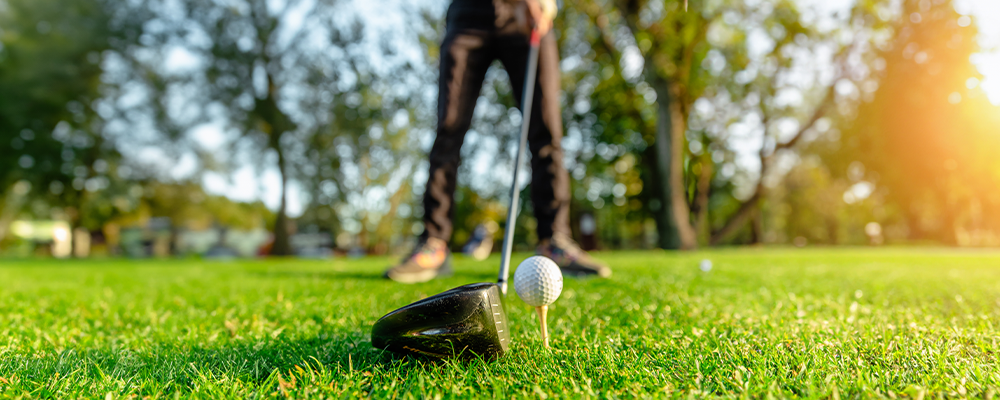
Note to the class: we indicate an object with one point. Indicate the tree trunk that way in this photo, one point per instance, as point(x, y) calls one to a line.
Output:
point(674, 223)
point(276, 124)
point(702, 228)
point(6, 218)
point(281, 247)
point(757, 227)
point(666, 228)
point(832, 229)
point(948, 232)
point(738, 219)
point(12, 203)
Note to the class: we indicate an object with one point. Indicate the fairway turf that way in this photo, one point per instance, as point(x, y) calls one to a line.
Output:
point(790, 323)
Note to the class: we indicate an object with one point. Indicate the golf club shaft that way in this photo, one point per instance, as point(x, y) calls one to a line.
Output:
point(515, 194)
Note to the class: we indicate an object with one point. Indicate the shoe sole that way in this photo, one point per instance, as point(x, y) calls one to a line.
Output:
point(424, 276)
point(576, 273)
point(582, 272)
point(418, 277)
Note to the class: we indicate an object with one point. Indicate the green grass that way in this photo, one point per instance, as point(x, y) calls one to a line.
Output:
point(789, 323)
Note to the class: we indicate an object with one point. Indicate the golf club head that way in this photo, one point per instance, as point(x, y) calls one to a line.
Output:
point(466, 321)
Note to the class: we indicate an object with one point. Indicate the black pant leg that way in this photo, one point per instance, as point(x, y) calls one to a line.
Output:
point(550, 194)
point(465, 57)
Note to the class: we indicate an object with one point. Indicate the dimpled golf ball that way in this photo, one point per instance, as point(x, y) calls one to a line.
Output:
point(538, 281)
point(705, 265)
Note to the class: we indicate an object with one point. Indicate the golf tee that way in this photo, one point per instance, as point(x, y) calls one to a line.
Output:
point(542, 311)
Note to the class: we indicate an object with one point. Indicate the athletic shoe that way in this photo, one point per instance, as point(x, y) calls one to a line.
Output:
point(480, 244)
point(430, 259)
point(572, 260)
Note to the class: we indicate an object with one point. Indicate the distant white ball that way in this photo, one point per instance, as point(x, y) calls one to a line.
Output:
point(705, 265)
point(538, 281)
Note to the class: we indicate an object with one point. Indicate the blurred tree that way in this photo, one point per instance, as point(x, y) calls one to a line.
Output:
point(356, 161)
point(356, 168)
point(53, 148)
point(702, 88)
point(187, 205)
point(810, 206)
point(254, 67)
point(928, 136)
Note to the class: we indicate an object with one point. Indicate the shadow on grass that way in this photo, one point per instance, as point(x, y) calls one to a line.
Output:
point(469, 276)
point(337, 275)
point(169, 368)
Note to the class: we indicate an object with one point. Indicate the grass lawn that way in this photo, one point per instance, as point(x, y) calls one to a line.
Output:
point(792, 323)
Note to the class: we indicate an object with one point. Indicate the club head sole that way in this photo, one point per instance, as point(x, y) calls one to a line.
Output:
point(467, 321)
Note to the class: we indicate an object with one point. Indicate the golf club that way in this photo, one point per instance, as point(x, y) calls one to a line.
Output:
point(468, 320)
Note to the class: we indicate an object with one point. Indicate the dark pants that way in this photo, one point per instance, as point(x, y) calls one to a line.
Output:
point(474, 38)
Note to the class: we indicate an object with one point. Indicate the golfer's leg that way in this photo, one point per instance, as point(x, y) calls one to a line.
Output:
point(550, 194)
point(465, 57)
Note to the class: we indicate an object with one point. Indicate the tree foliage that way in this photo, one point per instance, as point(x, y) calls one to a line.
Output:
point(283, 78)
point(55, 156)
point(712, 102)
point(927, 139)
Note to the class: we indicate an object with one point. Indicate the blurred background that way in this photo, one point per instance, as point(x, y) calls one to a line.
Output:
point(243, 128)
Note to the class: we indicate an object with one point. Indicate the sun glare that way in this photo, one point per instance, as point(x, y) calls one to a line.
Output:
point(989, 65)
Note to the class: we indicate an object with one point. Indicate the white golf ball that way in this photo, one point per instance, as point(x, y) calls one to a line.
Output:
point(538, 281)
point(705, 265)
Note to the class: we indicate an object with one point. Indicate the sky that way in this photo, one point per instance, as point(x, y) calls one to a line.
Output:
point(246, 184)
point(987, 15)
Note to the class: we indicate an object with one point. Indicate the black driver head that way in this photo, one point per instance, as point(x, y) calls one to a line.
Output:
point(465, 321)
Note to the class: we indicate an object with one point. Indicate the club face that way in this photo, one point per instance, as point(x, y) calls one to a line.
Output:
point(466, 321)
